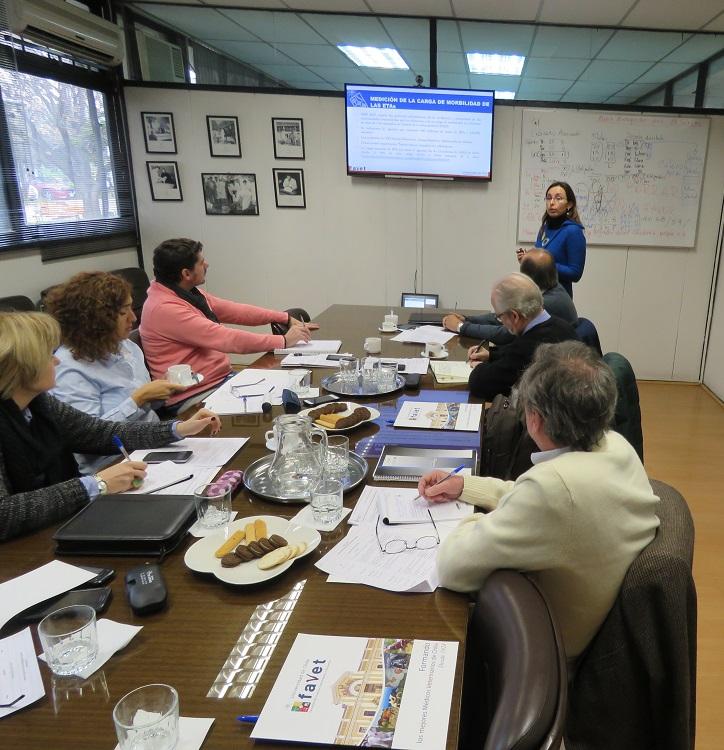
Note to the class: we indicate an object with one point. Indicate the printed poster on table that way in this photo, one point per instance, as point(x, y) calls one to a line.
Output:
point(429, 415)
point(365, 692)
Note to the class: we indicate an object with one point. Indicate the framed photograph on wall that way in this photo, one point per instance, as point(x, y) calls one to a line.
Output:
point(288, 135)
point(158, 132)
point(230, 194)
point(289, 188)
point(223, 135)
point(164, 180)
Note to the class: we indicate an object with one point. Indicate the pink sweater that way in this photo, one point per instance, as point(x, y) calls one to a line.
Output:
point(173, 332)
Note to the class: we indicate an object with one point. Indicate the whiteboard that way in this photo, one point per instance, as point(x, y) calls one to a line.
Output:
point(637, 178)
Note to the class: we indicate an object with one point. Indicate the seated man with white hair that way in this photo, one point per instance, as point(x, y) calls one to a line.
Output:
point(517, 303)
point(577, 519)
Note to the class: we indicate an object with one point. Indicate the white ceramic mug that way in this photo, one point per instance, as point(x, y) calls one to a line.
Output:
point(389, 323)
point(433, 349)
point(373, 345)
point(180, 374)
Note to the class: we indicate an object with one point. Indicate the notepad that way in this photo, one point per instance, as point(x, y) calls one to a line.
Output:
point(399, 463)
point(396, 505)
point(447, 373)
point(312, 347)
point(431, 415)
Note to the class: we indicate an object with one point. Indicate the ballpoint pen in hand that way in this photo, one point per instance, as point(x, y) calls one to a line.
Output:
point(137, 482)
point(445, 478)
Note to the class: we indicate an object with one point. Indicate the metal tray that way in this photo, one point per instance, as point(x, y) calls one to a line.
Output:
point(257, 480)
point(333, 384)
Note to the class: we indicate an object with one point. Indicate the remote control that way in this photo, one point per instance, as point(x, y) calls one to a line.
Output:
point(146, 589)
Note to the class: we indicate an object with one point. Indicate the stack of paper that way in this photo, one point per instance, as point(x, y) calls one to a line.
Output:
point(429, 415)
point(424, 335)
point(410, 365)
point(312, 347)
point(298, 359)
point(447, 373)
point(255, 387)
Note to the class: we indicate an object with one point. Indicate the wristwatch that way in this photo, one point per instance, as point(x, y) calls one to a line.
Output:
point(102, 485)
point(460, 326)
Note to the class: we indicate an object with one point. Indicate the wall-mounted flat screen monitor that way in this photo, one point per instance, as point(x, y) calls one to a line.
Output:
point(399, 131)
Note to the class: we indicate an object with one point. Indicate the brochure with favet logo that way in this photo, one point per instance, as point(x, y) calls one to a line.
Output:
point(371, 692)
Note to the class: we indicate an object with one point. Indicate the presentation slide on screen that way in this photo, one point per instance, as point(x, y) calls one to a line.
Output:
point(426, 132)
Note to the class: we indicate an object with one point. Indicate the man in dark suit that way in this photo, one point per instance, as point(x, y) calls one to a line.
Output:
point(517, 303)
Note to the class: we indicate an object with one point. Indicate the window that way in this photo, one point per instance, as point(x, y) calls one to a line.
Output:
point(66, 184)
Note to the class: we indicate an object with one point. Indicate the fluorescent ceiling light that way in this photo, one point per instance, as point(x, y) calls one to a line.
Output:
point(505, 94)
point(495, 64)
point(374, 57)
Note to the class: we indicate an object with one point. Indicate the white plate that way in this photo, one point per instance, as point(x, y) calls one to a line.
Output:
point(200, 555)
point(351, 406)
point(443, 354)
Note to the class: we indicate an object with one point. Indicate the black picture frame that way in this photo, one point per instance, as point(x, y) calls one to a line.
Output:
point(289, 191)
point(223, 132)
point(230, 194)
point(288, 137)
point(159, 133)
point(164, 180)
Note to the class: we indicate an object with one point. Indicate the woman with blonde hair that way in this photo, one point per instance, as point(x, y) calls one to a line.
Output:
point(39, 479)
point(100, 370)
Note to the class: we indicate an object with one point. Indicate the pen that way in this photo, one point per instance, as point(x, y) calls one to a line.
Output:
point(445, 478)
point(178, 481)
point(247, 719)
point(479, 347)
point(137, 482)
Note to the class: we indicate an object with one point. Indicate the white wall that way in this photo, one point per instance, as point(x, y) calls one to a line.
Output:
point(22, 272)
point(358, 239)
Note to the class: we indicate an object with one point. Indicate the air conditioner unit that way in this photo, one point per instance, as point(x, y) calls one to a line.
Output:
point(160, 60)
point(67, 28)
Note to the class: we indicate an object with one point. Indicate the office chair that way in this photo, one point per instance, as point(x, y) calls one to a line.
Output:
point(635, 686)
point(515, 682)
point(16, 303)
point(627, 419)
point(588, 334)
point(279, 329)
point(138, 279)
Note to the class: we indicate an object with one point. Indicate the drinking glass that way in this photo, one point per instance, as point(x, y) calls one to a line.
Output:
point(337, 458)
point(213, 504)
point(147, 718)
point(69, 638)
point(326, 501)
point(387, 375)
point(348, 370)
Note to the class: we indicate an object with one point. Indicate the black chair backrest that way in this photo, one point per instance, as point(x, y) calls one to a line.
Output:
point(635, 686)
point(138, 279)
point(17, 303)
point(514, 691)
point(279, 329)
point(627, 419)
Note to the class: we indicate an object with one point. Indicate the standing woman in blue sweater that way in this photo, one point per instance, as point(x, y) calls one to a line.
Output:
point(561, 234)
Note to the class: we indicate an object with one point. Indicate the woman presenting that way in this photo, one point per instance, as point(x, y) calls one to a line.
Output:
point(39, 479)
point(561, 234)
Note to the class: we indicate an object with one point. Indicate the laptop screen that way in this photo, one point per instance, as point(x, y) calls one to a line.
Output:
point(419, 300)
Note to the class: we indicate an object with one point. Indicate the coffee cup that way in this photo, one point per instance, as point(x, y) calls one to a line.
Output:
point(180, 374)
point(433, 349)
point(373, 345)
point(389, 323)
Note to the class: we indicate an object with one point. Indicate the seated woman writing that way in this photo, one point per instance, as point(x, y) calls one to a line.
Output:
point(100, 371)
point(39, 478)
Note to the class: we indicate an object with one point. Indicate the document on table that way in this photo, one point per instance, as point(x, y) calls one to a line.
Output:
point(312, 347)
point(424, 335)
point(181, 478)
point(255, 387)
point(412, 365)
point(48, 580)
point(20, 680)
point(400, 505)
point(312, 360)
point(451, 372)
point(208, 451)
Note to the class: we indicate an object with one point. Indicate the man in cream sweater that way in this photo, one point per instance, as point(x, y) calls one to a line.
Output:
point(577, 518)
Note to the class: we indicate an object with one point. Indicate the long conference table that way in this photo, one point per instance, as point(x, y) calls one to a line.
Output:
point(187, 643)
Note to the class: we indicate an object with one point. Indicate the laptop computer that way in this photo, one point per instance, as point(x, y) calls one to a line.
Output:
point(426, 318)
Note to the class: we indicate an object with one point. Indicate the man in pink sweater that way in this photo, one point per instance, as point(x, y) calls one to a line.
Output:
point(182, 324)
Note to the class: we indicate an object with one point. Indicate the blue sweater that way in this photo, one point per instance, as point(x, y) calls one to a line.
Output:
point(567, 245)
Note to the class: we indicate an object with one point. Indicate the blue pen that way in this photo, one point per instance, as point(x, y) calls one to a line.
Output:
point(445, 478)
point(117, 442)
point(245, 719)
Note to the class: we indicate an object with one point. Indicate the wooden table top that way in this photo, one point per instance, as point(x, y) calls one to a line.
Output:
point(187, 643)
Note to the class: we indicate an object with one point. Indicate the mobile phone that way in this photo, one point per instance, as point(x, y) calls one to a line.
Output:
point(320, 400)
point(103, 575)
point(178, 457)
point(97, 598)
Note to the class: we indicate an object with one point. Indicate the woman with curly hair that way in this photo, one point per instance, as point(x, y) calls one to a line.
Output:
point(100, 371)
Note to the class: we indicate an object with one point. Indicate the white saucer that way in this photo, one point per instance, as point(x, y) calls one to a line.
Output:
point(391, 330)
point(443, 355)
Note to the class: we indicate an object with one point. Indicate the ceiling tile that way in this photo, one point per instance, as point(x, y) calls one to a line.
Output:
point(620, 99)
point(614, 72)
point(290, 73)
point(448, 62)
point(448, 37)
point(313, 54)
point(453, 81)
point(501, 83)
point(717, 24)
point(590, 13)
point(416, 8)
point(697, 48)
point(410, 33)
point(641, 45)
point(566, 42)
point(331, 6)
point(541, 67)
point(592, 91)
point(336, 75)
point(511, 39)
point(638, 89)
point(274, 27)
point(201, 23)
point(531, 88)
point(391, 77)
point(253, 53)
point(657, 14)
point(662, 72)
point(358, 30)
point(494, 10)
